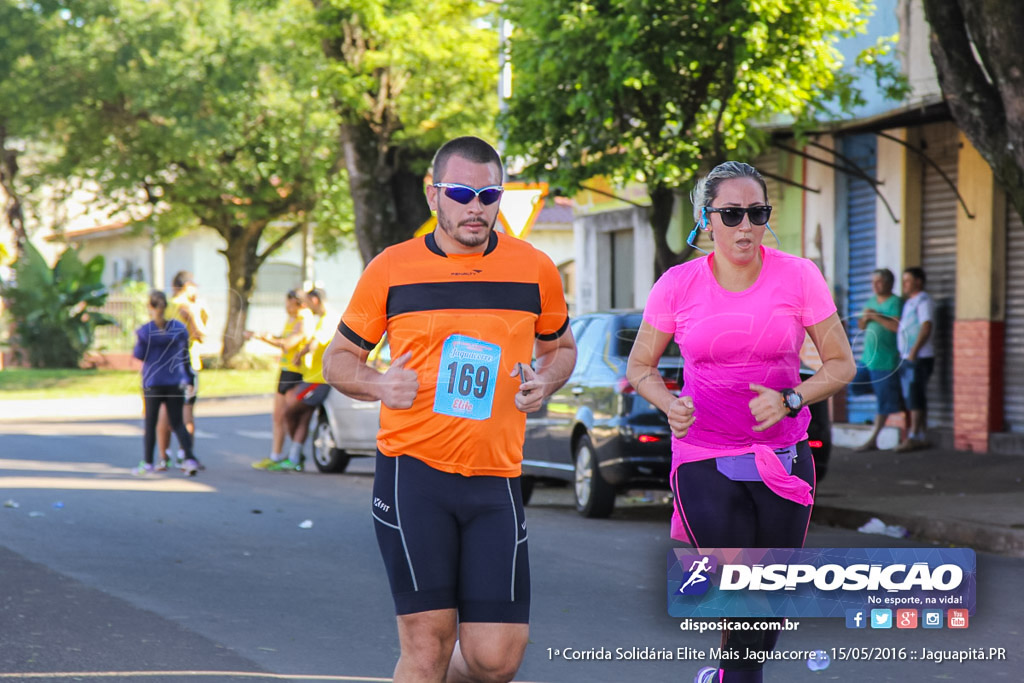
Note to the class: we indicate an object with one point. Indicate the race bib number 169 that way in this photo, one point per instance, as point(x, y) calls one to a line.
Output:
point(466, 378)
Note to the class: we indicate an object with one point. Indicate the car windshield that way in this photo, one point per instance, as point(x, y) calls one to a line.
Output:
point(626, 335)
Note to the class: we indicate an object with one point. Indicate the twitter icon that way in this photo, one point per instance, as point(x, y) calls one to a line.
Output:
point(881, 618)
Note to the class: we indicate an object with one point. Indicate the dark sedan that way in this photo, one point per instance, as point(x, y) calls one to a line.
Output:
point(599, 434)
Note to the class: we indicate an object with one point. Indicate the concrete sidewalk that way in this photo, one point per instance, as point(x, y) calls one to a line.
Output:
point(955, 498)
point(937, 494)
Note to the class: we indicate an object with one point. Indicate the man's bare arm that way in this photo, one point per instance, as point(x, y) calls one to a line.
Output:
point(345, 369)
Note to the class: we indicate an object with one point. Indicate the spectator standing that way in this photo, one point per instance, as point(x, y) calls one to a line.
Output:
point(162, 346)
point(290, 341)
point(880, 359)
point(311, 391)
point(184, 307)
point(914, 337)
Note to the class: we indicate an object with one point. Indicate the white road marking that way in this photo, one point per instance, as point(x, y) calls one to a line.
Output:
point(191, 674)
point(255, 434)
point(157, 483)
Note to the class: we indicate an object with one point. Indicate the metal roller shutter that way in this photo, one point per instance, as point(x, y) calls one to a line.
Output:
point(938, 258)
point(1013, 378)
point(860, 206)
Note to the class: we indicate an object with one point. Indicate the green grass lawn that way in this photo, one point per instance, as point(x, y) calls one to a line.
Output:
point(27, 384)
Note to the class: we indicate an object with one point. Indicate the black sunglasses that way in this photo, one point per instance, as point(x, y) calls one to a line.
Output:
point(732, 217)
point(464, 194)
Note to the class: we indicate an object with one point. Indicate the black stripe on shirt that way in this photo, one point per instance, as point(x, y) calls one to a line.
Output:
point(439, 296)
point(364, 344)
point(555, 335)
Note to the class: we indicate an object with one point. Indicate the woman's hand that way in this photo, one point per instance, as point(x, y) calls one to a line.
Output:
point(767, 407)
point(680, 416)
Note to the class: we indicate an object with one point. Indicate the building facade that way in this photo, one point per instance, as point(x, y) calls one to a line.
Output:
point(898, 185)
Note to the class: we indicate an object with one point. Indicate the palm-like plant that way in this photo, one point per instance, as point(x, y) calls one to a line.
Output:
point(54, 310)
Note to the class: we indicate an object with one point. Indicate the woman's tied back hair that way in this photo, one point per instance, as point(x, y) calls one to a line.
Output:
point(706, 189)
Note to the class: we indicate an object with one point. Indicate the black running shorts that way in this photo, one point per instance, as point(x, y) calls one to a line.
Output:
point(287, 381)
point(450, 541)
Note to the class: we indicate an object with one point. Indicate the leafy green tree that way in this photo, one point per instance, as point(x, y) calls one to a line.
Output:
point(24, 42)
point(405, 76)
point(977, 49)
point(653, 92)
point(205, 114)
point(55, 311)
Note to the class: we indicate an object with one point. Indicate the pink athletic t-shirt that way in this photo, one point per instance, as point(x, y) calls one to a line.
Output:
point(730, 340)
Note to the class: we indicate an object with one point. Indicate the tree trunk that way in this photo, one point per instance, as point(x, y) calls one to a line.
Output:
point(243, 263)
point(13, 211)
point(985, 91)
point(387, 197)
point(662, 202)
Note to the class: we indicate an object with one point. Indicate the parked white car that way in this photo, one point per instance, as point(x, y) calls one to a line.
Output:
point(343, 427)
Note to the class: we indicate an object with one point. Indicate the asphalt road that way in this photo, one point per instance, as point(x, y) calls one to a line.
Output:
point(104, 576)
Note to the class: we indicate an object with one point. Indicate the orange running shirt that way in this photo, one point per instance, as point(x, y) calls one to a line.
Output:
point(496, 303)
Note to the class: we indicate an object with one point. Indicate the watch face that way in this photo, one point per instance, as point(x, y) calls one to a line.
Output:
point(793, 400)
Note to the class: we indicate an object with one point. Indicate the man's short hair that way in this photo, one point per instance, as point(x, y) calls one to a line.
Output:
point(469, 148)
point(888, 279)
point(182, 278)
point(917, 273)
point(318, 293)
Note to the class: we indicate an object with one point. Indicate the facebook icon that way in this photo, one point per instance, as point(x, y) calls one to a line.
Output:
point(856, 618)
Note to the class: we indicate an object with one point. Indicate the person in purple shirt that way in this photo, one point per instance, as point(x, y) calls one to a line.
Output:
point(162, 346)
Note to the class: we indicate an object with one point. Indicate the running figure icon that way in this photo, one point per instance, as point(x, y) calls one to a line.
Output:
point(697, 570)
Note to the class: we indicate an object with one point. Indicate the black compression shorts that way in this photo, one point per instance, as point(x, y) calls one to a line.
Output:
point(450, 541)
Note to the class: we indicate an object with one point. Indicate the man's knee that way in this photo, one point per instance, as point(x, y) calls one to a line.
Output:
point(496, 656)
point(427, 641)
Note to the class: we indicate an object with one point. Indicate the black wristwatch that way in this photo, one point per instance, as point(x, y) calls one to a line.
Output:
point(792, 401)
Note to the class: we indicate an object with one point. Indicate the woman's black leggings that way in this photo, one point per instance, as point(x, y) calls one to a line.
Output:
point(721, 513)
point(174, 398)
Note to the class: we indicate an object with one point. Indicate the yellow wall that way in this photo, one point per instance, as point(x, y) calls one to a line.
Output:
point(981, 240)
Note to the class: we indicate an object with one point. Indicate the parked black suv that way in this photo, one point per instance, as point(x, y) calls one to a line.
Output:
point(599, 434)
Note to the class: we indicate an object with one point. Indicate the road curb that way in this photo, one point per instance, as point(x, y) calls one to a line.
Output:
point(983, 537)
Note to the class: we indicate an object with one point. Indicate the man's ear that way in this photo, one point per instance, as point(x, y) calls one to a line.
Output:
point(431, 197)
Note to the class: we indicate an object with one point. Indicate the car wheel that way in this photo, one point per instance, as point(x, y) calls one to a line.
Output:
point(526, 485)
point(327, 456)
point(594, 496)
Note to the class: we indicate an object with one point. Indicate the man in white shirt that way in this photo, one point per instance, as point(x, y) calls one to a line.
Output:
point(914, 338)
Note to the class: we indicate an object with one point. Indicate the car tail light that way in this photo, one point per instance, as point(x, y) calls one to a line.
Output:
point(648, 438)
point(815, 444)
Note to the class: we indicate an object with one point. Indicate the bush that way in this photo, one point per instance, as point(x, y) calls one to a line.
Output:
point(55, 311)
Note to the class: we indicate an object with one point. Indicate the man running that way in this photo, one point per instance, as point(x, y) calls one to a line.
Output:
point(463, 308)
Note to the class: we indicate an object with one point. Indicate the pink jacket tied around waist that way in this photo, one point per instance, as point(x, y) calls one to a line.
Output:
point(773, 474)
